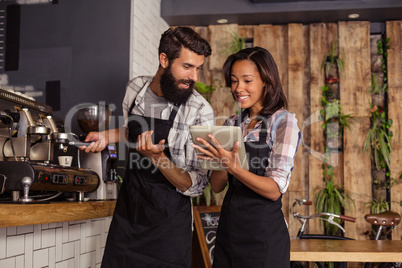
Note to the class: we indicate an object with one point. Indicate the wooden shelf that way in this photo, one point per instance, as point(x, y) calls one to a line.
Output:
point(29, 214)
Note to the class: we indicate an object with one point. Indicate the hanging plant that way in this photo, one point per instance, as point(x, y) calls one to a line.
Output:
point(332, 59)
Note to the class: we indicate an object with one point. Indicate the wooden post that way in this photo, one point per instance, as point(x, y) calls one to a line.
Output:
point(394, 33)
point(321, 36)
point(297, 187)
point(354, 40)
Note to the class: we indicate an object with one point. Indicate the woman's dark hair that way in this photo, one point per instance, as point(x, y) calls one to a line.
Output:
point(272, 95)
point(172, 41)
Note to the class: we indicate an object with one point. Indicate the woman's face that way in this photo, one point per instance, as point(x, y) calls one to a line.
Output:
point(247, 85)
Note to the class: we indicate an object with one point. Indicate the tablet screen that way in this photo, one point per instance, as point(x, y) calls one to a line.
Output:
point(226, 136)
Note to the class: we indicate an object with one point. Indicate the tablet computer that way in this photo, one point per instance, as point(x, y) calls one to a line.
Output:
point(226, 136)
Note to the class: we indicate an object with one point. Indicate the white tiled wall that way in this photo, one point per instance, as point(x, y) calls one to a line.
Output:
point(146, 29)
point(76, 244)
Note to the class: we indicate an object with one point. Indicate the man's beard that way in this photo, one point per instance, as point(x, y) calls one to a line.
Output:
point(170, 88)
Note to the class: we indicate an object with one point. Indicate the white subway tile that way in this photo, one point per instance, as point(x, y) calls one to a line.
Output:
point(52, 257)
point(98, 249)
point(90, 243)
point(77, 258)
point(9, 263)
point(29, 238)
point(68, 250)
point(84, 231)
point(71, 264)
point(87, 260)
point(94, 228)
point(12, 230)
point(74, 232)
point(63, 264)
point(37, 238)
point(55, 225)
point(48, 238)
point(19, 261)
point(40, 258)
point(59, 244)
point(15, 245)
point(65, 232)
point(3, 242)
point(24, 229)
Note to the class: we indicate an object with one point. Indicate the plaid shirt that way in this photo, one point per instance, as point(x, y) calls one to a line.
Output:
point(286, 141)
point(196, 111)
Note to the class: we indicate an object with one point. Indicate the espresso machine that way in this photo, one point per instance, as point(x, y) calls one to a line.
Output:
point(97, 118)
point(29, 143)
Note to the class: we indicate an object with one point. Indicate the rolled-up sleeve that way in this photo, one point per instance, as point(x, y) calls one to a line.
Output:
point(281, 161)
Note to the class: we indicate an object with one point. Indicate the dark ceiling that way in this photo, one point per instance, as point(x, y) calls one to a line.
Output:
point(254, 12)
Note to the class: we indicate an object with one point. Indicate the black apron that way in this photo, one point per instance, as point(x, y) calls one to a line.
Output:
point(151, 225)
point(252, 231)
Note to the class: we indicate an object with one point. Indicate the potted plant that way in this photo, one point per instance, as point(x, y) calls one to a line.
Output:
point(334, 199)
point(235, 44)
point(205, 90)
point(378, 141)
point(378, 91)
point(332, 63)
point(335, 122)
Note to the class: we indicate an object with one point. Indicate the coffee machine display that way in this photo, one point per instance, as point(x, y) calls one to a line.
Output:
point(104, 163)
point(29, 139)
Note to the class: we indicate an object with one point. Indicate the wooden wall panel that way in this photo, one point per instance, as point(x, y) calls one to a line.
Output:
point(221, 99)
point(394, 33)
point(220, 36)
point(275, 40)
point(357, 175)
point(321, 35)
point(354, 40)
point(295, 105)
point(205, 75)
point(246, 31)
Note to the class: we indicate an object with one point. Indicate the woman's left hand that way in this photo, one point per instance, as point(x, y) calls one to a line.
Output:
point(214, 151)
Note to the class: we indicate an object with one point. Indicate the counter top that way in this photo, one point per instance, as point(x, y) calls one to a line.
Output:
point(346, 250)
point(29, 214)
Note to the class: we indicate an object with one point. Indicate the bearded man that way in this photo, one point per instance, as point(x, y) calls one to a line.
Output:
point(152, 222)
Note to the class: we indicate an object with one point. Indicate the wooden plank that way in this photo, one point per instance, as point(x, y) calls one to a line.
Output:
point(357, 175)
point(246, 31)
point(394, 33)
point(205, 74)
point(30, 214)
point(345, 250)
point(354, 40)
point(275, 40)
point(220, 36)
point(321, 35)
point(295, 105)
point(222, 99)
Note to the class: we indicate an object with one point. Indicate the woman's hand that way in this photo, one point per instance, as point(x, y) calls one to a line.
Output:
point(214, 151)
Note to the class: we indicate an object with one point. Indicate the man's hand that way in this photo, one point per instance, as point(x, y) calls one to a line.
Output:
point(98, 141)
point(147, 148)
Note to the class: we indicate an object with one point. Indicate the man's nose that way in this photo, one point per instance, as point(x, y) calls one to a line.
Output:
point(193, 75)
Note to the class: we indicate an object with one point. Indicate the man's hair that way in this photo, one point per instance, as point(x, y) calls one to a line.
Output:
point(273, 96)
point(172, 41)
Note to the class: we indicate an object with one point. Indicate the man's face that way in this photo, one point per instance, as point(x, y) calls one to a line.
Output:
point(178, 79)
